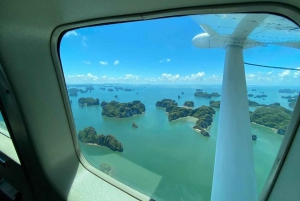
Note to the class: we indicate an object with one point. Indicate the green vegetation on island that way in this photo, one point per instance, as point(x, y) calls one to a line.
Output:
point(288, 91)
point(169, 104)
point(274, 117)
point(89, 135)
point(89, 88)
point(291, 100)
point(189, 103)
point(204, 114)
point(122, 110)
point(88, 101)
point(75, 91)
point(178, 112)
point(261, 96)
point(216, 104)
point(206, 95)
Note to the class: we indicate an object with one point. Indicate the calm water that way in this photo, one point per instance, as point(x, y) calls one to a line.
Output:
point(168, 160)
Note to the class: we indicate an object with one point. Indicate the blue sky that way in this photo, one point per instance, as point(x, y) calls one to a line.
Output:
point(161, 51)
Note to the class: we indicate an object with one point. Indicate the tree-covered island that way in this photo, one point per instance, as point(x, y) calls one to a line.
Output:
point(189, 103)
point(122, 110)
point(204, 114)
point(288, 91)
point(89, 88)
point(88, 101)
point(216, 104)
point(75, 91)
point(272, 115)
point(169, 104)
point(261, 96)
point(206, 95)
point(89, 136)
point(276, 117)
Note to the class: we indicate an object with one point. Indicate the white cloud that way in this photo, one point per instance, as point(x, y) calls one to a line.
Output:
point(71, 33)
point(284, 73)
point(103, 62)
point(130, 76)
point(83, 41)
point(93, 77)
point(151, 79)
point(297, 73)
point(87, 77)
point(269, 73)
point(169, 77)
point(165, 60)
point(215, 79)
point(176, 77)
point(86, 62)
point(116, 62)
point(195, 77)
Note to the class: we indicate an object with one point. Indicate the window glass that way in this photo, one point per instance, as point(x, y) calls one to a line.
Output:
point(145, 96)
point(3, 129)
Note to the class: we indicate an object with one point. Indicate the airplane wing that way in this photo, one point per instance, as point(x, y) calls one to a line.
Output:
point(263, 28)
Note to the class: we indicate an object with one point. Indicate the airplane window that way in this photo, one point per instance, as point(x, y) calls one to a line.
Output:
point(3, 129)
point(168, 106)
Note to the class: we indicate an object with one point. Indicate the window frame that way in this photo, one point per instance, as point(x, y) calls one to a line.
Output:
point(270, 8)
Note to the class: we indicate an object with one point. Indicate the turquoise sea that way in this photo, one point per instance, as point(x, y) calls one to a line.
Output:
point(169, 160)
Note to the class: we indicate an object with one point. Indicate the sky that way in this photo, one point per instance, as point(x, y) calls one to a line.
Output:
point(161, 52)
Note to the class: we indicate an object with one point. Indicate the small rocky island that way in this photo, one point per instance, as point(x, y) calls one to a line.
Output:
point(206, 95)
point(134, 125)
point(288, 91)
point(89, 136)
point(169, 104)
point(128, 89)
point(204, 114)
point(261, 96)
point(291, 99)
point(75, 91)
point(216, 104)
point(276, 117)
point(189, 103)
point(88, 101)
point(122, 110)
point(89, 88)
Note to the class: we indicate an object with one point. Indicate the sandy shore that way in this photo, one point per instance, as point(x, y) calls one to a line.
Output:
point(273, 129)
